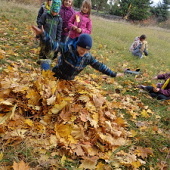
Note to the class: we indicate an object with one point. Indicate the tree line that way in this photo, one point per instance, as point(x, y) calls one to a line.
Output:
point(131, 9)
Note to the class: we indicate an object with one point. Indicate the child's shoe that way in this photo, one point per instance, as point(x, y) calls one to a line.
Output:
point(45, 64)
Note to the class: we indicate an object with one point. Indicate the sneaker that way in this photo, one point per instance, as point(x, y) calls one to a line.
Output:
point(43, 60)
point(44, 63)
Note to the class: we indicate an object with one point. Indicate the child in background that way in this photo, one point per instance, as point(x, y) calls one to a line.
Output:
point(52, 24)
point(66, 13)
point(74, 57)
point(162, 90)
point(80, 22)
point(45, 7)
point(139, 46)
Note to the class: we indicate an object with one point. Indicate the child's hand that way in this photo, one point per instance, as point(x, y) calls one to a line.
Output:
point(66, 29)
point(37, 30)
point(155, 78)
point(79, 30)
point(156, 89)
point(74, 27)
point(120, 75)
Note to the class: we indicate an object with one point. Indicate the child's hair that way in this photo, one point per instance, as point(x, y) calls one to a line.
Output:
point(64, 0)
point(89, 5)
point(142, 37)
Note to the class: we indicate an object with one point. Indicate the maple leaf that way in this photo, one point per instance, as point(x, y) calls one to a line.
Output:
point(63, 130)
point(51, 100)
point(20, 166)
point(98, 100)
point(143, 152)
point(89, 163)
point(33, 97)
point(8, 115)
point(120, 121)
point(144, 114)
point(57, 107)
point(78, 150)
point(77, 132)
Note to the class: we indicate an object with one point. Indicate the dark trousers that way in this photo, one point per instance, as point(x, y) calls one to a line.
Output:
point(157, 95)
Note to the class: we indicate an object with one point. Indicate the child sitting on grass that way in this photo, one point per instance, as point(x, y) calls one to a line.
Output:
point(162, 91)
point(139, 47)
point(74, 57)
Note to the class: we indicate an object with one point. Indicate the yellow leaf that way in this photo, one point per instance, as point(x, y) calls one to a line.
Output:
point(136, 164)
point(120, 121)
point(33, 97)
point(144, 114)
point(1, 156)
point(133, 133)
point(29, 122)
point(63, 130)
point(63, 159)
point(57, 107)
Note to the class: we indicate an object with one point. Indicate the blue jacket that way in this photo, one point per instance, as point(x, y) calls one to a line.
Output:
point(70, 64)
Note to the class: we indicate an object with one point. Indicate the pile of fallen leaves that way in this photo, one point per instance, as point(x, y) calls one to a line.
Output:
point(68, 118)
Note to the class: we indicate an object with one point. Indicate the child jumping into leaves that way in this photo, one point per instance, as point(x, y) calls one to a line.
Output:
point(162, 90)
point(52, 24)
point(74, 57)
point(66, 12)
point(80, 22)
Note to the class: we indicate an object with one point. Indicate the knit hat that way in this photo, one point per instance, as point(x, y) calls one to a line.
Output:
point(55, 7)
point(85, 41)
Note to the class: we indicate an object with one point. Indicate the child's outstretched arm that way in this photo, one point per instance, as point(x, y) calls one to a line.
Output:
point(37, 30)
point(103, 68)
point(45, 38)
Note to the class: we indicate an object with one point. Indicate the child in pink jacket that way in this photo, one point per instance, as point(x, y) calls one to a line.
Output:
point(80, 22)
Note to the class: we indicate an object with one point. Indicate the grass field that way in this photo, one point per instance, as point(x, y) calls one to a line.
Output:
point(111, 41)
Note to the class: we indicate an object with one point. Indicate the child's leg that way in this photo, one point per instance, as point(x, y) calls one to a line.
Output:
point(63, 38)
point(137, 52)
point(162, 97)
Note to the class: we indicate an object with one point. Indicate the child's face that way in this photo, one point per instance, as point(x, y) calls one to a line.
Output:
point(85, 9)
point(68, 3)
point(49, 2)
point(54, 13)
point(82, 51)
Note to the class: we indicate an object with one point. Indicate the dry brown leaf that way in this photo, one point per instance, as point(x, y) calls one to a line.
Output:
point(20, 166)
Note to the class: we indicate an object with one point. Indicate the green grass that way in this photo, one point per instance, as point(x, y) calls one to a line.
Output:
point(111, 41)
